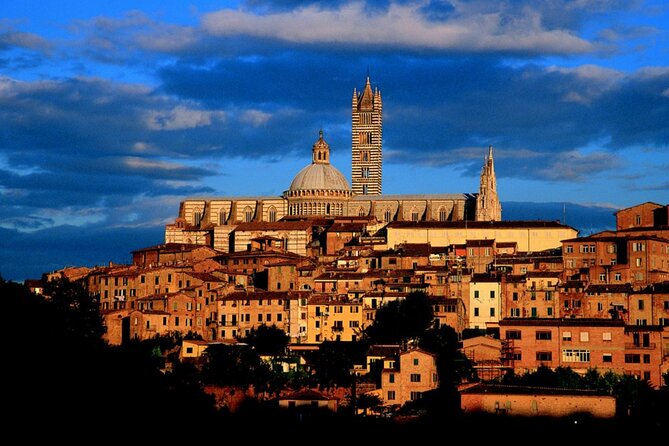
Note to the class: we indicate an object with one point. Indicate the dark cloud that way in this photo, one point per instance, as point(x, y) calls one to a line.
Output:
point(28, 255)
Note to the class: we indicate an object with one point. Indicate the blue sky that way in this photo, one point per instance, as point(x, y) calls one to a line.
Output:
point(113, 112)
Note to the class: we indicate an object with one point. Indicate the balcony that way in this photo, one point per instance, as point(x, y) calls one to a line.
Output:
point(635, 346)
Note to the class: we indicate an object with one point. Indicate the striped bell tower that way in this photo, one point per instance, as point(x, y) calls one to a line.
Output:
point(366, 127)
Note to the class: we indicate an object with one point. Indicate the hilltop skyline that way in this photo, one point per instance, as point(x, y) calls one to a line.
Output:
point(113, 113)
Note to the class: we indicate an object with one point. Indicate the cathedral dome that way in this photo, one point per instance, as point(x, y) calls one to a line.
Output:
point(320, 174)
point(319, 177)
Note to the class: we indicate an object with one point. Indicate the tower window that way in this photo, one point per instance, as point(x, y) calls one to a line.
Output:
point(272, 214)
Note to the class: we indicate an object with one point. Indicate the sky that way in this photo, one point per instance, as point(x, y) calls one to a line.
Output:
point(111, 113)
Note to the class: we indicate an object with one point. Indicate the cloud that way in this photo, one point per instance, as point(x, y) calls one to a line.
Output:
point(180, 118)
point(574, 166)
point(10, 39)
point(401, 24)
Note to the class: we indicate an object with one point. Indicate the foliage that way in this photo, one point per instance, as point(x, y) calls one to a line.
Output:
point(235, 365)
point(453, 366)
point(367, 401)
point(401, 320)
point(268, 340)
point(333, 361)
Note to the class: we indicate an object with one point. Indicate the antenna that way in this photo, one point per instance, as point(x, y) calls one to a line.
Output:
point(564, 213)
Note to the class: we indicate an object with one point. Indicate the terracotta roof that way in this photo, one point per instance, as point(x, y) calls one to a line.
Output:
point(306, 395)
point(609, 288)
point(346, 227)
point(661, 287)
point(550, 274)
point(171, 247)
point(483, 242)
point(383, 350)
point(280, 225)
point(257, 295)
point(205, 277)
point(519, 224)
point(500, 389)
point(561, 322)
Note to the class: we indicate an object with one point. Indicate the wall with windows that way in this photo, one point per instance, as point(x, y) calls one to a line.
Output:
point(415, 373)
point(484, 304)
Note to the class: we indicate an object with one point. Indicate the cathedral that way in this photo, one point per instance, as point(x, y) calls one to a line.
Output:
point(320, 190)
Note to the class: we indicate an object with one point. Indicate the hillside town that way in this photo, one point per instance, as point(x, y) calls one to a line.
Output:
point(319, 262)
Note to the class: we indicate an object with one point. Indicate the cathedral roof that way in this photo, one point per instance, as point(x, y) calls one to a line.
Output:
point(321, 177)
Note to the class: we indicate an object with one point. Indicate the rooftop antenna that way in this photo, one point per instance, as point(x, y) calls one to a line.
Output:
point(564, 213)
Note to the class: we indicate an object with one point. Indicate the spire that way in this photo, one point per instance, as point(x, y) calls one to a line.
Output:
point(488, 207)
point(320, 152)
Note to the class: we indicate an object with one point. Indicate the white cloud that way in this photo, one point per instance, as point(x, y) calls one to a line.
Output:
point(142, 163)
point(180, 118)
point(400, 25)
point(256, 117)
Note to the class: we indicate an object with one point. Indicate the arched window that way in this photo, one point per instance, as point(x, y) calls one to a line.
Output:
point(361, 212)
point(414, 214)
point(248, 214)
point(387, 216)
point(197, 217)
point(222, 217)
point(272, 214)
point(365, 189)
point(327, 209)
point(442, 214)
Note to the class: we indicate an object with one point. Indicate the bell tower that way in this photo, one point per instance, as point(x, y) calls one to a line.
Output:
point(366, 126)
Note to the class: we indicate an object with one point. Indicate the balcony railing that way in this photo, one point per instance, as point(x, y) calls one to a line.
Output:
point(635, 346)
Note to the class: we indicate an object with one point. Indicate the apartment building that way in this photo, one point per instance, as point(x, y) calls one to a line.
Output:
point(583, 344)
point(408, 377)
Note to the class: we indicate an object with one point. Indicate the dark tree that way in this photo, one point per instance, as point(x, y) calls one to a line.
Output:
point(399, 321)
point(268, 340)
point(235, 365)
point(452, 365)
point(333, 361)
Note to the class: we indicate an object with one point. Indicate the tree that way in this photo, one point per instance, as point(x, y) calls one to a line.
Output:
point(452, 365)
point(398, 321)
point(268, 340)
point(236, 365)
point(367, 401)
point(76, 310)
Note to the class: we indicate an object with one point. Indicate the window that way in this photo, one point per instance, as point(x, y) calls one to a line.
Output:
point(442, 214)
point(415, 361)
point(549, 311)
point(272, 214)
point(476, 294)
point(570, 248)
point(259, 317)
point(638, 261)
point(391, 378)
point(391, 395)
point(515, 296)
point(566, 335)
point(602, 277)
point(600, 306)
point(515, 312)
point(638, 246)
point(666, 304)
point(544, 356)
point(618, 277)
point(544, 335)
point(492, 294)
point(414, 396)
point(513, 334)
point(585, 336)
point(607, 357)
point(646, 359)
point(476, 312)
point(386, 216)
point(549, 296)
point(640, 304)
point(492, 312)
point(353, 324)
point(575, 355)
point(415, 377)
point(632, 358)
point(606, 336)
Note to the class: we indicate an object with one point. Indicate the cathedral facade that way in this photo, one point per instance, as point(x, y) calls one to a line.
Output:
point(321, 190)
